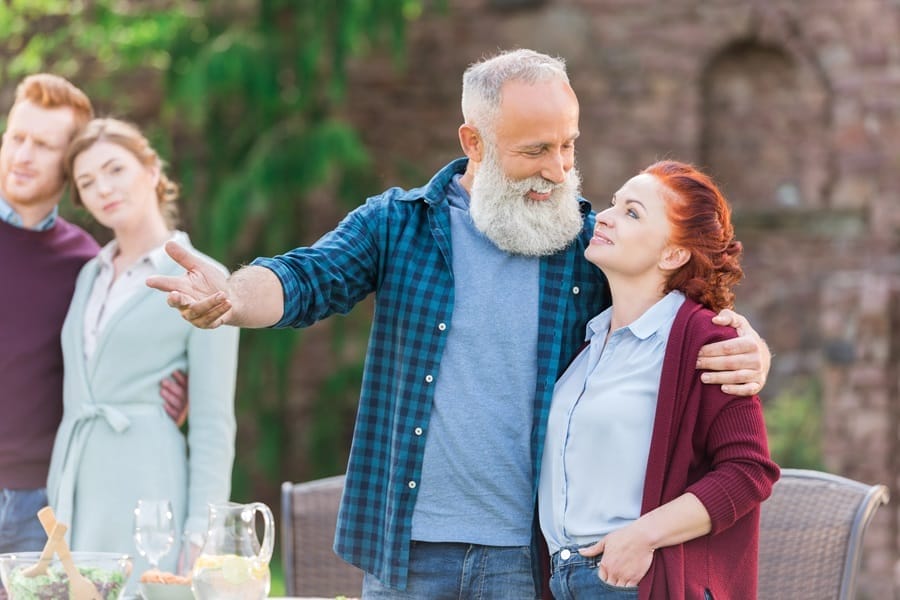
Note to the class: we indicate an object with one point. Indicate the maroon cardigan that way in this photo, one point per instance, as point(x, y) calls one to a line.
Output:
point(715, 446)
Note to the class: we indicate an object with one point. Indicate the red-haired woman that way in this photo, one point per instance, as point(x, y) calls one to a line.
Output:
point(651, 481)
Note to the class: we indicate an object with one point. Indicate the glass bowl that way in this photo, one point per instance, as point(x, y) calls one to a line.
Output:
point(108, 571)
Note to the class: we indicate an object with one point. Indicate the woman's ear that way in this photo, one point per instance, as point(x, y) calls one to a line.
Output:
point(674, 257)
point(154, 171)
point(471, 142)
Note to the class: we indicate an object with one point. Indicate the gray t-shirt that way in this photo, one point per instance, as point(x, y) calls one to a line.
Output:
point(476, 484)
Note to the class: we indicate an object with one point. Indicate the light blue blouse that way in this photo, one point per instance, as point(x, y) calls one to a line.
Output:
point(598, 433)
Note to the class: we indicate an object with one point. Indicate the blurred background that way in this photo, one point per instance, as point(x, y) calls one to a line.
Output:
point(279, 116)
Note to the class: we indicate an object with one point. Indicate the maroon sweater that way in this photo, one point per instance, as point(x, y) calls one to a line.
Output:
point(714, 446)
point(37, 275)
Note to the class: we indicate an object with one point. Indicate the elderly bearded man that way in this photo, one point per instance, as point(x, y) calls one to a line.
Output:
point(482, 296)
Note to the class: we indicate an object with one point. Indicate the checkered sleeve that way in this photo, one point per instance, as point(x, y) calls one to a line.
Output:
point(333, 274)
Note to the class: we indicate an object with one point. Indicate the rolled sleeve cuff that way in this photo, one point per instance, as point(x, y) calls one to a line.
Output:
point(718, 502)
point(290, 287)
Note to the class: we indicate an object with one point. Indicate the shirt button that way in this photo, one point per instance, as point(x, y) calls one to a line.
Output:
point(412, 485)
point(418, 431)
point(565, 554)
point(576, 290)
point(429, 379)
point(442, 326)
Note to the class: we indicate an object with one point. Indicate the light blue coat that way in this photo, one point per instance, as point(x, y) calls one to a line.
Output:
point(116, 444)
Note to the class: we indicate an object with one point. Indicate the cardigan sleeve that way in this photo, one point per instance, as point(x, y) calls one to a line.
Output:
point(733, 436)
point(741, 472)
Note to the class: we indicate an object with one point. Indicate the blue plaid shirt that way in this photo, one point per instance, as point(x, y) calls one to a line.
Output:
point(398, 245)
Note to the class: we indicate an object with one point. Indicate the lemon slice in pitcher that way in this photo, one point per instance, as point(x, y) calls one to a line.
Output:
point(236, 569)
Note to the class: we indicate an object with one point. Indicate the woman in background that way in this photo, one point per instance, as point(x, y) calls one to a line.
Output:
point(651, 481)
point(116, 444)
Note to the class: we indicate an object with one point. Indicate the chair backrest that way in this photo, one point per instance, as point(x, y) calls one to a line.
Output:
point(308, 520)
point(811, 533)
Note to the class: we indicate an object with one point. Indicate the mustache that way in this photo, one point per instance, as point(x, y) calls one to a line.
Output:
point(537, 184)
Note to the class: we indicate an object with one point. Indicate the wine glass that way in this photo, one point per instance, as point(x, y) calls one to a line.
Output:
point(154, 529)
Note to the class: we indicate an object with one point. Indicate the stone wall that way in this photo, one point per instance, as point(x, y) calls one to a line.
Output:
point(860, 318)
point(793, 105)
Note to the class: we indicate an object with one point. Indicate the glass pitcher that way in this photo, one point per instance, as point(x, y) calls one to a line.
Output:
point(232, 565)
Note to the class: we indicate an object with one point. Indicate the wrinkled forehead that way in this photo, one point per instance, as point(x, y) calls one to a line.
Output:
point(545, 110)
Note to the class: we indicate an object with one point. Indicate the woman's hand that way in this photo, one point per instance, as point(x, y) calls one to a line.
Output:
point(628, 552)
point(627, 555)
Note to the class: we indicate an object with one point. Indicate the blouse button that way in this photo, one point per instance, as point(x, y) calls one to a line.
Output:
point(576, 290)
point(412, 485)
point(429, 379)
point(418, 431)
point(442, 326)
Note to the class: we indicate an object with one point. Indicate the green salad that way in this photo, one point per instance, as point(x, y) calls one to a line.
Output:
point(55, 584)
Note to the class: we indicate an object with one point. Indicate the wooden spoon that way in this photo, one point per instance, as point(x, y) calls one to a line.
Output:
point(47, 519)
point(80, 587)
point(40, 567)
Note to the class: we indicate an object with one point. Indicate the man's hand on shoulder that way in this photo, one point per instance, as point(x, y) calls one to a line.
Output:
point(740, 365)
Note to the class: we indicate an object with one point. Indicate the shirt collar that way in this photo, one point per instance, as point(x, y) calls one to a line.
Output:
point(644, 326)
point(457, 195)
point(10, 216)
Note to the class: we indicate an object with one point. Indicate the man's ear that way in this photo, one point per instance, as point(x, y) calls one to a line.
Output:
point(471, 142)
point(674, 257)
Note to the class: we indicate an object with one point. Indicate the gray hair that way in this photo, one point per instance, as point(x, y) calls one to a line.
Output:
point(483, 81)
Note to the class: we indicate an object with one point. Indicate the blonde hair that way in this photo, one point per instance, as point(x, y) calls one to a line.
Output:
point(52, 91)
point(130, 138)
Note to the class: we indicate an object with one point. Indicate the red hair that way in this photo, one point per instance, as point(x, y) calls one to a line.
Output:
point(52, 91)
point(700, 222)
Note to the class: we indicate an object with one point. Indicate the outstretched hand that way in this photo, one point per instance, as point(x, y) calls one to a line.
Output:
point(740, 365)
point(200, 295)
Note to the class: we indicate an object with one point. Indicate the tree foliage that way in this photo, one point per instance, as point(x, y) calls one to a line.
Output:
point(248, 92)
point(794, 424)
point(68, 37)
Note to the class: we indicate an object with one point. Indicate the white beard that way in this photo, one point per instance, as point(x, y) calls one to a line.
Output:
point(501, 210)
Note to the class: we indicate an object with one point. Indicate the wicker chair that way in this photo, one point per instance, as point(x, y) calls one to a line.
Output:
point(308, 519)
point(811, 534)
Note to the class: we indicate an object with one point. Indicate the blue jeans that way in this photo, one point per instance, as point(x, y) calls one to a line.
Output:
point(20, 529)
point(574, 576)
point(452, 571)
